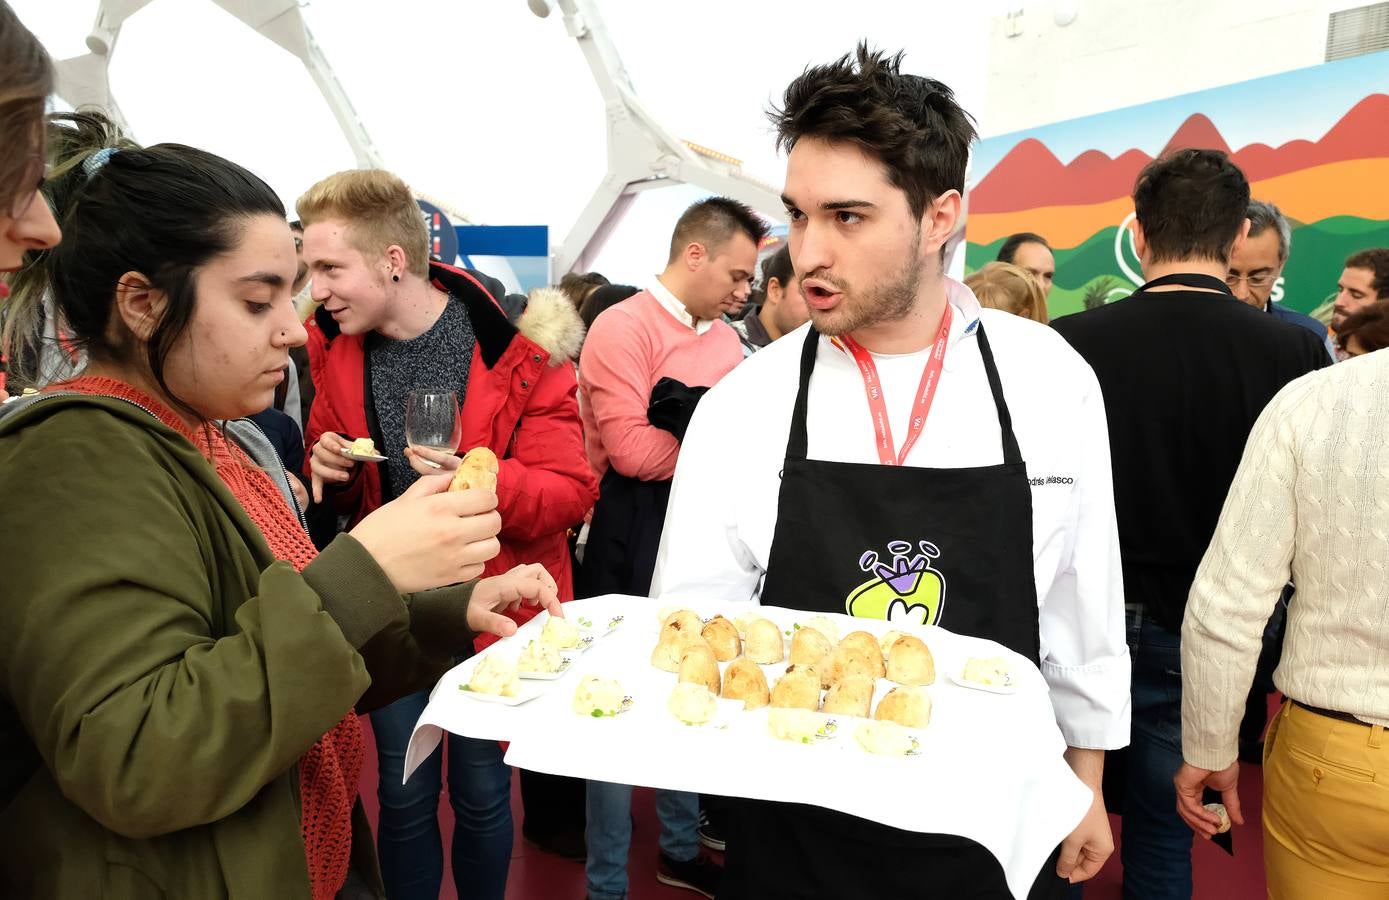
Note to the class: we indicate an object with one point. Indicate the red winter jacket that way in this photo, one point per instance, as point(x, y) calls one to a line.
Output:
point(521, 403)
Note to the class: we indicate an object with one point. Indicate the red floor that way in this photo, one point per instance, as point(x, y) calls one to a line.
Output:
point(540, 876)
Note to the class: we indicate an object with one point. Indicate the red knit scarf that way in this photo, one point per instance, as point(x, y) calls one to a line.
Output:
point(328, 772)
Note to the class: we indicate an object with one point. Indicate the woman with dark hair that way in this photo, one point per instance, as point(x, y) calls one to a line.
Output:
point(181, 666)
point(26, 222)
point(1365, 331)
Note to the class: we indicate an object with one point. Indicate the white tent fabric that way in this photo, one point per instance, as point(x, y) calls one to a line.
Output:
point(487, 108)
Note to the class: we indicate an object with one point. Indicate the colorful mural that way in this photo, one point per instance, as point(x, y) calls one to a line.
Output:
point(1314, 141)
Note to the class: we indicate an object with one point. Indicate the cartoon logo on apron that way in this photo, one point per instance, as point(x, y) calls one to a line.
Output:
point(906, 588)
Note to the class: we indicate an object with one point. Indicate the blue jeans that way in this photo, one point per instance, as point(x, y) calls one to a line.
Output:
point(408, 839)
point(610, 834)
point(1156, 843)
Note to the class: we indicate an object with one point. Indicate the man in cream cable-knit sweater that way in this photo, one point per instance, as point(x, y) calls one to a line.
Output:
point(1312, 500)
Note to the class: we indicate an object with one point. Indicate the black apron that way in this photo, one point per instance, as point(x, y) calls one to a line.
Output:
point(951, 547)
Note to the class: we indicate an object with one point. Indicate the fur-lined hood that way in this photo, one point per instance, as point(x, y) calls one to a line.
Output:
point(552, 322)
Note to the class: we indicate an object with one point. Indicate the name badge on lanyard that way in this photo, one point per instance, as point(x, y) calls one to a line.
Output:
point(877, 404)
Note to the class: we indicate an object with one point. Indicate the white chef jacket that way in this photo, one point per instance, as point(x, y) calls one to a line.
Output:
point(723, 504)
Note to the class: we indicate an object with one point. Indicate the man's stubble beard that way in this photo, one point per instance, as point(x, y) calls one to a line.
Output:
point(884, 302)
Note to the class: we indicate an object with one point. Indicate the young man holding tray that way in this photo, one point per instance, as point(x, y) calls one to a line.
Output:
point(998, 482)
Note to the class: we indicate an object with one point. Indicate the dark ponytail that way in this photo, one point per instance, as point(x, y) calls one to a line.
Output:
point(163, 211)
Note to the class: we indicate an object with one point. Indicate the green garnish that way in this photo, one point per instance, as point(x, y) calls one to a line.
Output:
point(598, 714)
point(805, 740)
point(464, 687)
point(587, 623)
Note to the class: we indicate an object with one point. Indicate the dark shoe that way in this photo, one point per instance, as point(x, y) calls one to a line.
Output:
point(568, 845)
point(701, 874)
point(711, 832)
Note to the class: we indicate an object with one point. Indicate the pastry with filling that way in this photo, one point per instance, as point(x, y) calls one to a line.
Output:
point(744, 680)
point(809, 646)
point(668, 611)
point(907, 706)
point(698, 665)
point(692, 704)
point(994, 671)
point(911, 662)
point(666, 656)
point(884, 738)
point(722, 636)
point(866, 644)
point(477, 471)
point(1220, 810)
point(560, 633)
point(540, 657)
point(681, 621)
point(597, 696)
point(798, 725)
point(849, 662)
point(850, 696)
point(799, 688)
point(496, 675)
point(765, 643)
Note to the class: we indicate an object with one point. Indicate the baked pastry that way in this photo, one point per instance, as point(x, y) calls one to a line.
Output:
point(884, 738)
point(809, 646)
point(540, 657)
point(799, 688)
point(1220, 810)
point(363, 447)
point(668, 611)
point(597, 697)
point(993, 671)
point(666, 656)
point(743, 620)
point(868, 645)
point(823, 625)
point(911, 662)
point(692, 704)
point(722, 636)
point(765, 643)
point(847, 662)
point(681, 620)
point(850, 696)
point(496, 675)
point(743, 680)
point(906, 706)
point(799, 725)
point(560, 633)
point(889, 640)
point(698, 665)
point(478, 470)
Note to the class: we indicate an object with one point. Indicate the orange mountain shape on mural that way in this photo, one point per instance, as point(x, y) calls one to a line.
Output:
point(1031, 176)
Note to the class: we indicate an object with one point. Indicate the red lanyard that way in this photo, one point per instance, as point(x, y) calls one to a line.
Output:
point(926, 393)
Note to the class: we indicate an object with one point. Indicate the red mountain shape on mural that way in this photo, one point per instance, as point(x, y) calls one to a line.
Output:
point(1031, 176)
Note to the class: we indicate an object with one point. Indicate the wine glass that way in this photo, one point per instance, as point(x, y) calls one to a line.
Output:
point(432, 420)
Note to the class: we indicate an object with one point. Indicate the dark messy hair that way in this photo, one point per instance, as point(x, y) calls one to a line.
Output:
point(712, 222)
point(778, 266)
point(578, 285)
point(1009, 250)
point(1376, 259)
point(1370, 326)
point(1191, 204)
point(163, 211)
point(26, 80)
point(909, 123)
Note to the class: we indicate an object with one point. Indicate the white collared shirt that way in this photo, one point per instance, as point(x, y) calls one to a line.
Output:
point(723, 504)
point(672, 305)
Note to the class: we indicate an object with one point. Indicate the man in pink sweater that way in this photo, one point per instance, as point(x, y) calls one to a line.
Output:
point(644, 365)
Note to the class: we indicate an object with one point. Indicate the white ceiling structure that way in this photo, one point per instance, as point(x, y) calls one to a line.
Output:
point(482, 105)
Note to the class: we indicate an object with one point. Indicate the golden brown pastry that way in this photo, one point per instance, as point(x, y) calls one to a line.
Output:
point(907, 706)
point(692, 703)
point(765, 643)
point(699, 666)
point(848, 662)
point(809, 646)
point(743, 680)
point(666, 656)
point(478, 470)
point(868, 645)
point(799, 688)
point(681, 620)
point(850, 696)
point(823, 625)
point(911, 662)
point(722, 636)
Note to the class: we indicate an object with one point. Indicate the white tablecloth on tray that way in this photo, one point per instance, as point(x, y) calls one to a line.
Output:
point(991, 767)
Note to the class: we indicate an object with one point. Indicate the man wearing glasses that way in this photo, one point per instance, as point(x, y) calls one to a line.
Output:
point(1257, 263)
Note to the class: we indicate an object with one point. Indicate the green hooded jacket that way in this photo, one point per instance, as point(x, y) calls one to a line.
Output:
point(161, 673)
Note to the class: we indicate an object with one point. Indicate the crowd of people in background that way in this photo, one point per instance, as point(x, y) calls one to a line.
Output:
point(204, 595)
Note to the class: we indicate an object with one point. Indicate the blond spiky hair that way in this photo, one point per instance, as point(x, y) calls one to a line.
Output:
point(379, 209)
